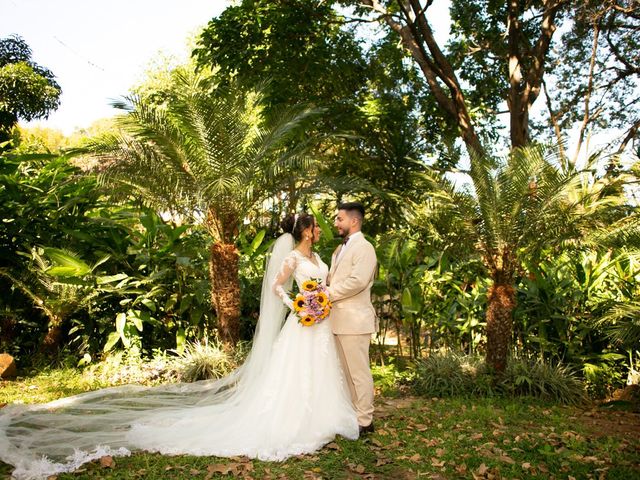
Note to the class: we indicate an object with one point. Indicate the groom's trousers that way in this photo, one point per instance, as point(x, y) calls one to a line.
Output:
point(354, 355)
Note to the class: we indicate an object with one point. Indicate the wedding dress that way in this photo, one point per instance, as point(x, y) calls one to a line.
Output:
point(288, 398)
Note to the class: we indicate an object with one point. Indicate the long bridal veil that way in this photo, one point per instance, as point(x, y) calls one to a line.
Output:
point(42, 440)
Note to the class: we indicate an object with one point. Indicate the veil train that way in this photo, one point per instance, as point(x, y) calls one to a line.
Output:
point(47, 439)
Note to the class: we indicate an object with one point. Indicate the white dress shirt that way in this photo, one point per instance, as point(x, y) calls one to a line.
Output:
point(346, 245)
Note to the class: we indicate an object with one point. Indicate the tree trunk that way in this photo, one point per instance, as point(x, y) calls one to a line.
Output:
point(419, 41)
point(499, 324)
point(225, 290)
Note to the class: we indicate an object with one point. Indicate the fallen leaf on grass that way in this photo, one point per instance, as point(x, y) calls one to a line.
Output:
point(437, 476)
point(393, 445)
point(507, 459)
point(440, 452)
point(431, 442)
point(461, 468)
point(415, 458)
point(436, 462)
point(482, 469)
point(333, 446)
point(217, 468)
point(107, 462)
point(476, 436)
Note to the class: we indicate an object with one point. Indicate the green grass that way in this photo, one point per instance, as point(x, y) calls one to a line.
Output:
point(419, 438)
point(47, 386)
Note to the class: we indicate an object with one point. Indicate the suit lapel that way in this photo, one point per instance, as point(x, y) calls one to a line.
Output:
point(334, 257)
point(335, 262)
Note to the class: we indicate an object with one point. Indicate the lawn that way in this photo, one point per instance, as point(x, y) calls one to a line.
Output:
point(415, 438)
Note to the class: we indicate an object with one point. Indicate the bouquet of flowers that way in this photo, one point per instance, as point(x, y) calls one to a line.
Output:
point(312, 304)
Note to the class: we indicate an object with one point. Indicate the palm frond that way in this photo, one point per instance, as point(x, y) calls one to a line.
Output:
point(203, 152)
point(622, 323)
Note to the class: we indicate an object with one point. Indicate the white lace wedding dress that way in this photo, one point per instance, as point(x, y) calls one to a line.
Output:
point(288, 398)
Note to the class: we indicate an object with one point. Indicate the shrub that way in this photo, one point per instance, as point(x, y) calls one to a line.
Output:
point(389, 379)
point(445, 374)
point(449, 373)
point(537, 378)
point(603, 378)
point(203, 360)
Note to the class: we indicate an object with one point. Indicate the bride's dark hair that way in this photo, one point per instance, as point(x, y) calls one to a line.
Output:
point(295, 227)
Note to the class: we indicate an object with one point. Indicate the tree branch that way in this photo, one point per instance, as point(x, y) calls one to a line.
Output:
point(586, 119)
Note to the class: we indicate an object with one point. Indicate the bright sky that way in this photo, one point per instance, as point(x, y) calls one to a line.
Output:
point(98, 50)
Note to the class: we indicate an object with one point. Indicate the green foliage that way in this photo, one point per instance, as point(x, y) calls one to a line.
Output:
point(27, 90)
point(447, 374)
point(565, 299)
point(390, 379)
point(603, 376)
point(536, 378)
point(299, 46)
point(373, 136)
point(420, 290)
point(123, 277)
point(203, 361)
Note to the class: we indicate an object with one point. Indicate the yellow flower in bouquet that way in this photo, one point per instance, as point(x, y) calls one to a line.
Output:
point(299, 303)
point(309, 285)
point(307, 320)
point(322, 299)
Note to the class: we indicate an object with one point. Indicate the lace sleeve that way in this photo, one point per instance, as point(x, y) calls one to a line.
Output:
point(286, 270)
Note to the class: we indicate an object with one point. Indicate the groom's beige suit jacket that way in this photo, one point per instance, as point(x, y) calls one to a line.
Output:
point(350, 280)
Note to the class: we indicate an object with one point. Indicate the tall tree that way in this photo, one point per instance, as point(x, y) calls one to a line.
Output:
point(209, 156)
point(308, 52)
point(524, 205)
point(596, 75)
point(297, 45)
point(27, 90)
point(498, 54)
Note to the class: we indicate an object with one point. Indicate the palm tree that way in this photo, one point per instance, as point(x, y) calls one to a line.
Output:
point(517, 208)
point(211, 157)
point(58, 283)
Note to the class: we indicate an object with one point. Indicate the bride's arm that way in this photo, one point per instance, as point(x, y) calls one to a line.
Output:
point(286, 270)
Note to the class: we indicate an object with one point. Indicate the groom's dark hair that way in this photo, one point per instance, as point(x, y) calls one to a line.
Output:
point(353, 208)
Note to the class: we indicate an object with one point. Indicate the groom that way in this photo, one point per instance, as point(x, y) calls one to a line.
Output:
point(353, 318)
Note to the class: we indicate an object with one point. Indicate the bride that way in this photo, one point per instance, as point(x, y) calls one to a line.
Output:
point(288, 398)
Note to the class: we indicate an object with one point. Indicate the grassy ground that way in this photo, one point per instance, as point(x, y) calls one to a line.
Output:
point(414, 438)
